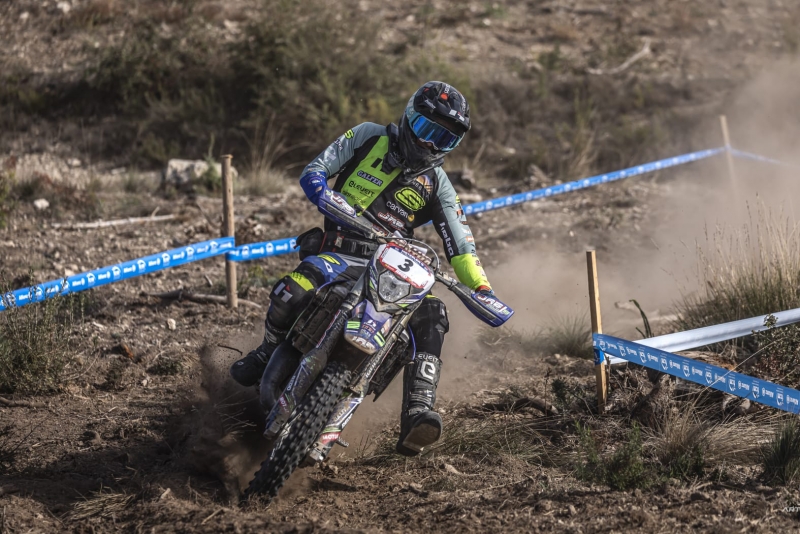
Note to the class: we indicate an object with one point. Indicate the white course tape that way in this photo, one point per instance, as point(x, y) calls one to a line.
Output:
point(700, 337)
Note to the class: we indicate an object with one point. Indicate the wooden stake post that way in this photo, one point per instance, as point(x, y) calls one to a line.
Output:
point(229, 229)
point(597, 327)
point(726, 136)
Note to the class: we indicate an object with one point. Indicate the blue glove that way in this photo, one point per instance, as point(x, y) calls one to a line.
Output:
point(314, 185)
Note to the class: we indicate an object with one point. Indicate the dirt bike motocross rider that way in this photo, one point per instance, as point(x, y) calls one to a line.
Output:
point(394, 172)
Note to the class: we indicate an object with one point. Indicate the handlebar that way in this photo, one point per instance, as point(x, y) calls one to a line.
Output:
point(485, 307)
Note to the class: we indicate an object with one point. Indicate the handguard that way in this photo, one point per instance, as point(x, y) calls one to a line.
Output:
point(487, 308)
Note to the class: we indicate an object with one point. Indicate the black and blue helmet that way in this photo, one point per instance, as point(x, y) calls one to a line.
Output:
point(434, 123)
point(438, 114)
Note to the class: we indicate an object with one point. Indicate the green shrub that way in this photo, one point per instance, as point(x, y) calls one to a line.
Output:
point(624, 469)
point(781, 456)
point(565, 392)
point(777, 353)
point(36, 345)
point(165, 366)
point(179, 91)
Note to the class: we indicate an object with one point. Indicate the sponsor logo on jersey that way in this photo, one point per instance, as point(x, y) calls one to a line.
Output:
point(424, 185)
point(368, 177)
point(349, 134)
point(360, 188)
point(392, 220)
point(410, 199)
point(397, 209)
point(448, 243)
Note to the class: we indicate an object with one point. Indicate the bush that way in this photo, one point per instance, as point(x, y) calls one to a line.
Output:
point(752, 273)
point(165, 366)
point(6, 182)
point(624, 469)
point(178, 92)
point(777, 353)
point(569, 335)
point(781, 456)
point(35, 346)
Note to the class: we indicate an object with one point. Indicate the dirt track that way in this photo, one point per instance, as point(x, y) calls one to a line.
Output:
point(123, 448)
point(156, 444)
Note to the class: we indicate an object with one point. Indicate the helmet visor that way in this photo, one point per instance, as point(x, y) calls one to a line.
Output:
point(428, 131)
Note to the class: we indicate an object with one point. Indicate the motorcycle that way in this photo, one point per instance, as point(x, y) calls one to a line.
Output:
point(351, 341)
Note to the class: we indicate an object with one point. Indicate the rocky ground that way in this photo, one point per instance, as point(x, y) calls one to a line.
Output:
point(129, 447)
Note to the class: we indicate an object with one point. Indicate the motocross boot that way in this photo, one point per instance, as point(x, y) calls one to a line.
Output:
point(249, 369)
point(420, 426)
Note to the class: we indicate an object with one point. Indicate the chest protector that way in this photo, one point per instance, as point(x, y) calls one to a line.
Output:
point(364, 183)
point(400, 207)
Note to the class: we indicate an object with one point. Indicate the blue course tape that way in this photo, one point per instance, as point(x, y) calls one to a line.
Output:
point(503, 202)
point(115, 273)
point(756, 157)
point(747, 387)
point(265, 249)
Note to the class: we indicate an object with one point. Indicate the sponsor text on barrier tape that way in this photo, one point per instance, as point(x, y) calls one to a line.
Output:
point(748, 387)
point(117, 272)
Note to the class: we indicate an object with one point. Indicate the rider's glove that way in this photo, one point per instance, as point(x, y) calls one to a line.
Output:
point(314, 185)
point(485, 290)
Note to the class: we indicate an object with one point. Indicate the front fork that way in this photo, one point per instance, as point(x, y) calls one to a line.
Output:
point(332, 432)
point(351, 399)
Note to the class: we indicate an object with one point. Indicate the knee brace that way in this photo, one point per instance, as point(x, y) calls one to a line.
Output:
point(291, 294)
point(429, 325)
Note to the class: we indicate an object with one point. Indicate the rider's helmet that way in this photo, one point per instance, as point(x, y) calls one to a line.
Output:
point(434, 123)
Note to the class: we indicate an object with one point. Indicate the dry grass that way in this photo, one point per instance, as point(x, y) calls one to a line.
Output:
point(564, 33)
point(693, 438)
point(750, 273)
point(498, 437)
point(568, 335)
point(265, 174)
point(36, 345)
point(486, 437)
point(106, 505)
point(781, 456)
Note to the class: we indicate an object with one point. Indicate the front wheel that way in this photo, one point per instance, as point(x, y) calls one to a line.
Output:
point(301, 431)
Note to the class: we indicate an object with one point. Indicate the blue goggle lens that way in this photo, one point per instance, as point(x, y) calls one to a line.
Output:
point(428, 131)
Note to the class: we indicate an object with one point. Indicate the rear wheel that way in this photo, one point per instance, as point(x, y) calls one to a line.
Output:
point(301, 431)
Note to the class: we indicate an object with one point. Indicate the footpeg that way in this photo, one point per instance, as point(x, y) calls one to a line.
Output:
point(343, 443)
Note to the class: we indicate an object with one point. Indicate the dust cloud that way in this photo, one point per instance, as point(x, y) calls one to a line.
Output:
point(543, 282)
point(223, 431)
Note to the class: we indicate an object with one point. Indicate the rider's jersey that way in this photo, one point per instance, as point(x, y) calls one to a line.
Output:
point(356, 160)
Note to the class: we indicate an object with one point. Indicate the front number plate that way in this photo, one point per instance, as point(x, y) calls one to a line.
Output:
point(406, 267)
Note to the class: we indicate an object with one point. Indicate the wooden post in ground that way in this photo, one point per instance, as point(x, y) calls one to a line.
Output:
point(597, 327)
point(229, 229)
point(726, 136)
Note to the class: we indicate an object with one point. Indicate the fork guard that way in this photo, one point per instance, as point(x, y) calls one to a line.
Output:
point(310, 367)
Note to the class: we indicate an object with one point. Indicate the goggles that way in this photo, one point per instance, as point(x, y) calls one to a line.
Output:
point(428, 131)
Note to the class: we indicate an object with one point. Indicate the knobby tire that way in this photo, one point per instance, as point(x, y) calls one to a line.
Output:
point(313, 412)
